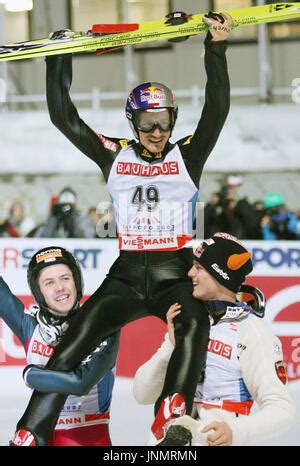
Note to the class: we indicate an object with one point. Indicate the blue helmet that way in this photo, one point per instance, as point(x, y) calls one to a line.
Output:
point(150, 96)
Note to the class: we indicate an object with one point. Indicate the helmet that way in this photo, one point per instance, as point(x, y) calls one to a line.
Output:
point(46, 257)
point(150, 96)
point(273, 200)
point(254, 297)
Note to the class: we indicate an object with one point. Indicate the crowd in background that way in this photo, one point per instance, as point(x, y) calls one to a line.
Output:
point(266, 219)
point(64, 220)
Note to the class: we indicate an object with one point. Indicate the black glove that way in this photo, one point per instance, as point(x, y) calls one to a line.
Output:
point(61, 211)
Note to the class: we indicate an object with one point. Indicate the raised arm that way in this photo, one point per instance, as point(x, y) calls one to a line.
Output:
point(12, 311)
point(216, 106)
point(65, 117)
point(80, 381)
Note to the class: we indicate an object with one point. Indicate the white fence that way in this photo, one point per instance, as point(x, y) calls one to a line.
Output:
point(96, 97)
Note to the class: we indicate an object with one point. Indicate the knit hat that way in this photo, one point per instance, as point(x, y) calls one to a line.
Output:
point(226, 259)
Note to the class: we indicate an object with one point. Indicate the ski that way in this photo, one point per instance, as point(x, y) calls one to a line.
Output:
point(177, 27)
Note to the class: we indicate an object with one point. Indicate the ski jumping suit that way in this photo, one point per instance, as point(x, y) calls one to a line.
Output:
point(244, 364)
point(84, 418)
point(151, 271)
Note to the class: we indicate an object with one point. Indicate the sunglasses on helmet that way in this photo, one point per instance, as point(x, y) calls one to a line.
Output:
point(147, 121)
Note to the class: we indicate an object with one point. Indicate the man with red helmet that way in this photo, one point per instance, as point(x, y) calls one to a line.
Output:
point(154, 185)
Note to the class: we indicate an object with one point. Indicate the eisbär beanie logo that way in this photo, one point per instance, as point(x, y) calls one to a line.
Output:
point(226, 259)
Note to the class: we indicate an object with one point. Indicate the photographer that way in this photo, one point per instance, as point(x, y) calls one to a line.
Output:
point(278, 222)
point(65, 220)
point(212, 211)
point(230, 214)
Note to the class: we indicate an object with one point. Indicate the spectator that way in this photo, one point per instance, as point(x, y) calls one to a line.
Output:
point(278, 222)
point(259, 213)
point(297, 213)
point(65, 220)
point(236, 215)
point(17, 224)
point(234, 181)
point(94, 217)
point(211, 213)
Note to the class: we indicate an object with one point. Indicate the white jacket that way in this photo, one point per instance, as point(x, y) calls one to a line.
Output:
point(252, 366)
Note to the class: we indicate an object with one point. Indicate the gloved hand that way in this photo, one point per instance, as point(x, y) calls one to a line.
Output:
point(219, 25)
point(61, 34)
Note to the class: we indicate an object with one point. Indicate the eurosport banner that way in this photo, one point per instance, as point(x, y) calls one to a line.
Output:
point(276, 273)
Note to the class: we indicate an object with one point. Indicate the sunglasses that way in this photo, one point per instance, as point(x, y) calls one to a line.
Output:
point(148, 122)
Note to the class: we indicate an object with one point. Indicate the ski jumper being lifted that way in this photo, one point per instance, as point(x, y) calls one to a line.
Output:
point(147, 180)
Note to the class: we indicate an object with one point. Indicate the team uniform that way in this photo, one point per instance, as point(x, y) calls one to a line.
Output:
point(151, 271)
point(244, 364)
point(84, 418)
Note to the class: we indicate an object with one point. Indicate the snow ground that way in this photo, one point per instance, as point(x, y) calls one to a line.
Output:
point(130, 422)
point(255, 138)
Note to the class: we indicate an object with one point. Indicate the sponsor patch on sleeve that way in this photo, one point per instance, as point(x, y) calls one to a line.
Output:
point(281, 372)
point(108, 143)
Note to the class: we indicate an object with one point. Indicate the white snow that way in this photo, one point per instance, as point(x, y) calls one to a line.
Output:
point(255, 138)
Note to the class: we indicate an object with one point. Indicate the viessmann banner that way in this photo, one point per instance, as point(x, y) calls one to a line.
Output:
point(276, 272)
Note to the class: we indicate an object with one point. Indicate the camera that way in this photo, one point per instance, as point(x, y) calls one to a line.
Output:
point(60, 211)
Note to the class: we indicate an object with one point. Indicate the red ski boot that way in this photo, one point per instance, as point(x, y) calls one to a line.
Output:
point(163, 430)
point(23, 438)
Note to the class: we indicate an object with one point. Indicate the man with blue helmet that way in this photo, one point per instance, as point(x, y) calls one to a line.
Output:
point(153, 184)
